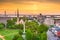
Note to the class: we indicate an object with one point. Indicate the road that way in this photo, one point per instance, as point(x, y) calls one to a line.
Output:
point(50, 36)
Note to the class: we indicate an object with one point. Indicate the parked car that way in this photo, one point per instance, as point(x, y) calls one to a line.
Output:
point(52, 29)
point(55, 31)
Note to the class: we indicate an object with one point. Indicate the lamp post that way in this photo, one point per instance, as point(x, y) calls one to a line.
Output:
point(24, 31)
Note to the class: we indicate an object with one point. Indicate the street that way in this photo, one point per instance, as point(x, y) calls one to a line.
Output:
point(50, 36)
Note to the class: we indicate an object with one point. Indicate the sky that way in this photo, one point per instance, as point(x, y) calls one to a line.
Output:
point(33, 7)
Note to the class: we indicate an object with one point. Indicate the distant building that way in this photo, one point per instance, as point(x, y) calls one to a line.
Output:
point(49, 21)
point(40, 18)
point(21, 21)
point(30, 17)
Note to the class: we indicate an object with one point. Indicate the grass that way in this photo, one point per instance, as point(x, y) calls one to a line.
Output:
point(8, 33)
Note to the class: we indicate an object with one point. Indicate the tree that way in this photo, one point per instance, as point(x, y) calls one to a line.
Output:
point(15, 19)
point(24, 18)
point(43, 28)
point(32, 25)
point(29, 34)
point(19, 26)
point(2, 25)
point(17, 37)
point(10, 23)
point(44, 36)
point(36, 37)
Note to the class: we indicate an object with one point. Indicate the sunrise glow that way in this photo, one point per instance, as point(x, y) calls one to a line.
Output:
point(31, 7)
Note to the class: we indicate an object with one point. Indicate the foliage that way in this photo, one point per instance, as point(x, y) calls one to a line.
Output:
point(36, 37)
point(43, 28)
point(51, 25)
point(20, 32)
point(19, 26)
point(20, 38)
point(2, 25)
point(10, 23)
point(24, 18)
point(32, 25)
point(44, 36)
point(16, 37)
point(15, 19)
point(0, 39)
point(29, 34)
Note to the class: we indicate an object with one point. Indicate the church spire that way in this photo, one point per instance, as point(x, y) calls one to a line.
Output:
point(5, 13)
point(17, 16)
point(17, 12)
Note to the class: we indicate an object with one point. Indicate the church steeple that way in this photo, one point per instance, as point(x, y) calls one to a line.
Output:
point(5, 13)
point(18, 13)
point(17, 16)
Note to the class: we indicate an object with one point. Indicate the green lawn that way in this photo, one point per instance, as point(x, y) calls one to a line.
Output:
point(8, 33)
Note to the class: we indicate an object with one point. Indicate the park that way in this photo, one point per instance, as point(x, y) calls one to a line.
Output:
point(27, 30)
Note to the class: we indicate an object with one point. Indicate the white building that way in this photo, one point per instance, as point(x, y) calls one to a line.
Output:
point(49, 21)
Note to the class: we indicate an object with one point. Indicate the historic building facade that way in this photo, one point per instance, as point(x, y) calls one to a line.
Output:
point(48, 19)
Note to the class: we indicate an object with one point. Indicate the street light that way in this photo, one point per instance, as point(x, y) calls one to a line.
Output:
point(24, 31)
